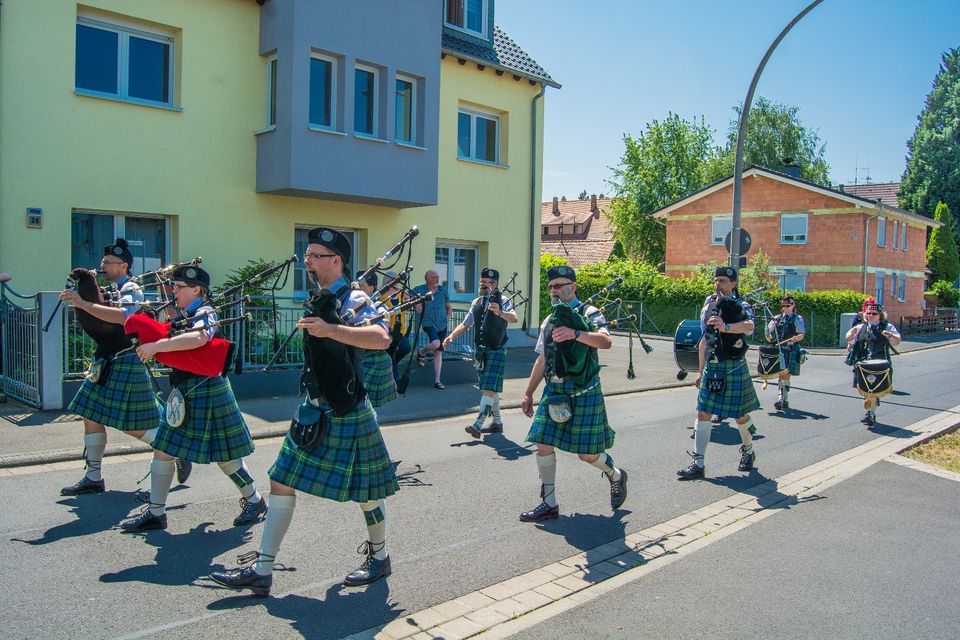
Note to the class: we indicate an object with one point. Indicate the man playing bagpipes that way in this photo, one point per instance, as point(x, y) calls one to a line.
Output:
point(726, 388)
point(334, 449)
point(787, 330)
point(490, 312)
point(377, 366)
point(870, 344)
point(117, 391)
point(571, 415)
point(203, 423)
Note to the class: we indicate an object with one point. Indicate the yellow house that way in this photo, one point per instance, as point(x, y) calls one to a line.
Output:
point(227, 128)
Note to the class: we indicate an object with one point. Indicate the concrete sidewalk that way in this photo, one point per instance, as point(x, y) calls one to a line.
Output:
point(38, 437)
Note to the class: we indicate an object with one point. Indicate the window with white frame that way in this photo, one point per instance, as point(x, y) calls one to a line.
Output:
point(271, 107)
point(148, 238)
point(901, 289)
point(793, 228)
point(478, 136)
point(469, 15)
point(366, 100)
point(896, 234)
point(124, 62)
point(301, 282)
point(903, 234)
point(406, 108)
point(457, 266)
point(881, 234)
point(323, 91)
point(894, 280)
point(878, 294)
point(720, 226)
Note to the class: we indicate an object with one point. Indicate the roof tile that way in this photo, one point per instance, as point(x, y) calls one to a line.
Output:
point(505, 54)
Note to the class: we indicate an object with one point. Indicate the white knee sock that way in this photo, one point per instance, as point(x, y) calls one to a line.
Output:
point(94, 445)
point(486, 407)
point(605, 463)
point(238, 473)
point(701, 438)
point(745, 434)
point(148, 436)
point(496, 409)
point(278, 521)
point(547, 466)
point(161, 477)
point(375, 517)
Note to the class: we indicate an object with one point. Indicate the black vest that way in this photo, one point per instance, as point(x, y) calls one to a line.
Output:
point(490, 332)
point(726, 346)
point(870, 343)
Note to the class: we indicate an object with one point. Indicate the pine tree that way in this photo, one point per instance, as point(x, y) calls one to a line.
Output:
point(942, 256)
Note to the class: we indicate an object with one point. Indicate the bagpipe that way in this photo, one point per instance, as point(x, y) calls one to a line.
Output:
point(108, 335)
point(732, 346)
point(159, 279)
point(515, 297)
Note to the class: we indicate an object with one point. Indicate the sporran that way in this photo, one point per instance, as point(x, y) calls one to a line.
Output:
point(307, 425)
point(176, 410)
point(559, 407)
point(96, 371)
point(716, 384)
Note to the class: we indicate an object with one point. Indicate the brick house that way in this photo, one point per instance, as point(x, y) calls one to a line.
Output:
point(578, 230)
point(818, 238)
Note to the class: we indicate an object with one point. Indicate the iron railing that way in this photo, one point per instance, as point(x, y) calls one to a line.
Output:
point(20, 356)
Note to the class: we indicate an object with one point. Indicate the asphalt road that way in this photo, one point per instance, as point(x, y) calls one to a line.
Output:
point(452, 528)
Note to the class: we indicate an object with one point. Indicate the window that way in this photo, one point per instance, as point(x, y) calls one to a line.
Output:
point(478, 136)
point(903, 233)
point(469, 15)
point(365, 100)
point(546, 231)
point(123, 62)
point(271, 91)
point(881, 235)
point(301, 283)
point(406, 130)
point(148, 238)
point(323, 88)
point(720, 226)
point(901, 290)
point(793, 228)
point(880, 276)
point(457, 266)
point(893, 283)
point(791, 280)
point(896, 234)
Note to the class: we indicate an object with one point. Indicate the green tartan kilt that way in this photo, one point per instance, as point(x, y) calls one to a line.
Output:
point(125, 401)
point(214, 429)
point(739, 397)
point(586, 432)
point(377, 368)
point(491, 378)
point(349, 463)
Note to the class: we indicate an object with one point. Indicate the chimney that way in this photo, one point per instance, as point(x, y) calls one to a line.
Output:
point(556, 206)
point(593, 204)
point(841, 189)
point(791, 168)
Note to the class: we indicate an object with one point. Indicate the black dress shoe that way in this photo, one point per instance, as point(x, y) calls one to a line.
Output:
point(618, 490)
point(473, 430)
point(146, 521)
point(370, 571)
point(747, 459)
point(541, 512)
point(86, 485)
point(246, 578)
point(778, 405)
point(184, 467)
point(867, 419)
point(250, 512)
point(693, 472)
point(495, 427)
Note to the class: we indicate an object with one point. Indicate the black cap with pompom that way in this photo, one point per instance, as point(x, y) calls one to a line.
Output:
point(120, 250)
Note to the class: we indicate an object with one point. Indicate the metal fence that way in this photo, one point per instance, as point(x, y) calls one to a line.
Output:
point(20, 354)
point(272, 322)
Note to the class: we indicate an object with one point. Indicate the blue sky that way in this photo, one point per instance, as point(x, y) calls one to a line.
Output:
point(859, 70)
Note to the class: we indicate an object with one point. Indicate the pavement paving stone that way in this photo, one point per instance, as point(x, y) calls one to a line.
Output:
point(575, 581)
point(579, 560)
point(475, 600)
point(510, 607)
point(553, 590)
point(398, 630)
point(532, 599)
point(427, 619)
point(423, 635)
point(452, 609)
point(559, 570)
point(537, 577)
point(460, 628)
point(498, 591)
point(488, 616)
point(609, 569)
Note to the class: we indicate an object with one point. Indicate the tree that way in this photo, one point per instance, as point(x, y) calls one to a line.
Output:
point(774, 133)
point(663, 164)
point(933, 153)
point(942, 256)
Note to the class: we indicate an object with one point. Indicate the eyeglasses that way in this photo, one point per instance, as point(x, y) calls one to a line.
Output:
point(317, 256)
point(785, 306)
point(554, 287)
point(871, 313)
point(176, 286)
point(105, 261)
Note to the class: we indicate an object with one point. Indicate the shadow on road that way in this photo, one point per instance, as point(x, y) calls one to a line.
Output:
point(600, 536)
point(506, 448)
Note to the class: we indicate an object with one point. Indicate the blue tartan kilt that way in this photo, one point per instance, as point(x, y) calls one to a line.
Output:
point(737, 399)
point(377, 369)
point(491, 378)
point(793, 361)
point(586, 432)
point(349, 463)
point(214, 429)
point(125, 401)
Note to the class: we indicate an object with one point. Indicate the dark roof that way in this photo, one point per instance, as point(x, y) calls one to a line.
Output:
point(883, 191)
point(505, 54)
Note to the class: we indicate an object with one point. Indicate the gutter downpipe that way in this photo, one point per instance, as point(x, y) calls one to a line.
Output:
point(866, 242)
point(534, 213)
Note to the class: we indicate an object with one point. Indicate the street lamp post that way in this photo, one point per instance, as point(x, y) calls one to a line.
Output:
point(741, 134)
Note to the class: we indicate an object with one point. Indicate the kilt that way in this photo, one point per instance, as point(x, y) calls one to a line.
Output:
point(214, 429)
point(377, 368)
point(586, 432)
point(793, 361)
point(738, 398)
point(125, 401)
point(349, 463)
point(491, 378)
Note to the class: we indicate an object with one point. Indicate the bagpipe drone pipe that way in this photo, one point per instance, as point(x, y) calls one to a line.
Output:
point(109, 336)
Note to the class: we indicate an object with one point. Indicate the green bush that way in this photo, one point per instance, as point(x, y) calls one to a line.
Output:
point(946, 293)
